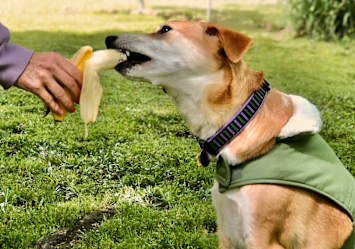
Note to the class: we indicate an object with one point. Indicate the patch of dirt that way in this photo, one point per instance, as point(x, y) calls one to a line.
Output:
point(62, 238)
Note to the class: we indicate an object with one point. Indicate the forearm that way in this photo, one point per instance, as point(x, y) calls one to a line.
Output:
point(13, 59)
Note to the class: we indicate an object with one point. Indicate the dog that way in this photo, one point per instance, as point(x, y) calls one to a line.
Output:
point(200, 65)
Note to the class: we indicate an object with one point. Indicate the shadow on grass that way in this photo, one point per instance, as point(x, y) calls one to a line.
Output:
point(234, 16)
point(64, 236)
point(65, 43)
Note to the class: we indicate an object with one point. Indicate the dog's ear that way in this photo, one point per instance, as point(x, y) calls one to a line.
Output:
point(235, 44)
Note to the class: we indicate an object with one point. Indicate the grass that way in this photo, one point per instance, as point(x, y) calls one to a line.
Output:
point(139, 156)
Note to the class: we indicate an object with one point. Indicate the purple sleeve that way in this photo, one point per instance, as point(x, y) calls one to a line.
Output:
point(13, 59)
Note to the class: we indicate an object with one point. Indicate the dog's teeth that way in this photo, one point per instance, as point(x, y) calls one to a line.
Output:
point(128, 53)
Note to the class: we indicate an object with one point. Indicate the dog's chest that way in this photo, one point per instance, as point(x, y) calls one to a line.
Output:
point(233, 216)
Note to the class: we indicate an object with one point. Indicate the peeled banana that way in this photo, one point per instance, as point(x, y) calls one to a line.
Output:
point(91, 63)
point(91, 90)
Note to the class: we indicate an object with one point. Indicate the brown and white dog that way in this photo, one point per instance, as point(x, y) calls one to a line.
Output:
point(200, 66)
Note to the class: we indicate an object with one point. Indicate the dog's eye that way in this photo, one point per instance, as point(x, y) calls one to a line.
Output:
point(164, 29)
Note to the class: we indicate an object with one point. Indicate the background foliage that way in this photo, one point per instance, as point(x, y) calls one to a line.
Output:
point(324, 19)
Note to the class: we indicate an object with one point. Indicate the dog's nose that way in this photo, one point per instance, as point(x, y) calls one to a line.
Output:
point(110, 40)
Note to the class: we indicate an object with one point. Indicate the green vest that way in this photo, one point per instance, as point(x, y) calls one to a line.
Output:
point(304, 161)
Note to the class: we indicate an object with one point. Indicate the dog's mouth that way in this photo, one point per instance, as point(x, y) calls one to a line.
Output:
point(133, 58)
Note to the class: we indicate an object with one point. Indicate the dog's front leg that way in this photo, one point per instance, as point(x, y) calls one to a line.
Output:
point(230, 218)
point(224, 242)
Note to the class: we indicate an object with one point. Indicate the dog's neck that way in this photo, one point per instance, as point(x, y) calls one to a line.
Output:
point(207, 106)
point(207, 102)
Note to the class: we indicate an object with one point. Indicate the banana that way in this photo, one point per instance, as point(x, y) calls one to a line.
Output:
point(91, 90)
point(90, 64)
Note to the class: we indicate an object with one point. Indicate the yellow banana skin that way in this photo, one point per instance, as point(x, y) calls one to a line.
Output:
point(78, 60)
point(91, 64)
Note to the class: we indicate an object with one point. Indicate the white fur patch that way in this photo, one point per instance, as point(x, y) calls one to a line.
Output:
point(232, 216)
point(230, 156)
point(305, 118)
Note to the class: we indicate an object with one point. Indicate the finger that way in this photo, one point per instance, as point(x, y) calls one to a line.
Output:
point(59, 94)
point(69, 83)
point(71, 70)
point(48, 99)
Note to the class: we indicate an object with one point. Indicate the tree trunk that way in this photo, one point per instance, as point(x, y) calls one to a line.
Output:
point(209, 10)
point(141, 6)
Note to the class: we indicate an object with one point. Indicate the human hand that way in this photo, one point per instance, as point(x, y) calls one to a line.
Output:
point(46, 75)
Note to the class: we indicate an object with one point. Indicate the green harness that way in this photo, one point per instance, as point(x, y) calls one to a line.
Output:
point(304, 161)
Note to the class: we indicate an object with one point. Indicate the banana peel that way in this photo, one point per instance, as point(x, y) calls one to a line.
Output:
point(90, 64)
point(78, 60)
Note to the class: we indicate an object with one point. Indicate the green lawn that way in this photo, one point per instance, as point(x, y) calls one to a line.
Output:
point(139, 156)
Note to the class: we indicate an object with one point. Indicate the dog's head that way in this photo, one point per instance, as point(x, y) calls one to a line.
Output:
point(177, 50)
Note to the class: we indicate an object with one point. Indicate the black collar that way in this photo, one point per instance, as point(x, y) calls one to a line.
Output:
point(234, 126)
